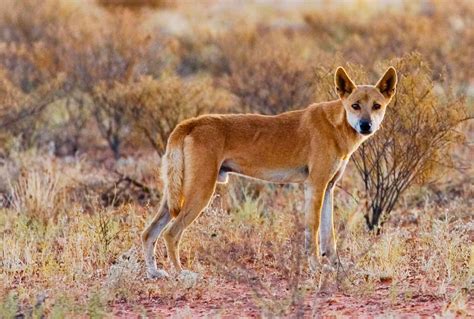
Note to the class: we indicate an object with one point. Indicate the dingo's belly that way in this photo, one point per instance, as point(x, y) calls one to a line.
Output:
point(297, 174)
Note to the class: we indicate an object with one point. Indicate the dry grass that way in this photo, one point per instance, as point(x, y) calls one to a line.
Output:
point(78, 260)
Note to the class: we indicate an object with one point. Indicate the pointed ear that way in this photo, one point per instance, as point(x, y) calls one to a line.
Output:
point(388, 82)
point(344, 85)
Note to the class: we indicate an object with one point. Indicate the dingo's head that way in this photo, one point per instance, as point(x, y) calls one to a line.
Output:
point(365, 104)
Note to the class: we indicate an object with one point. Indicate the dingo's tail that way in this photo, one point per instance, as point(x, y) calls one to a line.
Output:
point(172, 170)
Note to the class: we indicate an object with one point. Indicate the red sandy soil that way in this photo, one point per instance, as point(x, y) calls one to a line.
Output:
point(232, 299)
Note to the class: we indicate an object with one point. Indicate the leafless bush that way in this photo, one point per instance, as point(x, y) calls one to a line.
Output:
point(127, 189)
point(109, 112)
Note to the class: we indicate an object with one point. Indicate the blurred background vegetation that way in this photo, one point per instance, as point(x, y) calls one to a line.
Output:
point(115, 76)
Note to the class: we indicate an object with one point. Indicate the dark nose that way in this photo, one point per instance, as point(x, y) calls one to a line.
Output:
point(365, 127)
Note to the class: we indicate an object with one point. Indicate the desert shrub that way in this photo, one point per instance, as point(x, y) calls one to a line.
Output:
point(198, 53)
point(35, 38)
point(27, 66)
point(32, 81)
point(267, 71)
point(116, 59)
point(156, 106)
point(30, 21)
point(31, 37)
point(361, 37)
point(21, 115)
point(10, 94)
point(109, 112)
point(90, 46)
point(113, 51)
point(153, 107)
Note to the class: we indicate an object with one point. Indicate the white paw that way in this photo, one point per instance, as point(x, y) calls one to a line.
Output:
point(156, 274)
point(188, 278)
point(327, 269)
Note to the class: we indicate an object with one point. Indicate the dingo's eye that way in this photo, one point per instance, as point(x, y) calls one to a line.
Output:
point(376, 106)
point(356, 106)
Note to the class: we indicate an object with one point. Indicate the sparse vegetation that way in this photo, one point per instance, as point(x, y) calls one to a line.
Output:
point(90, 91)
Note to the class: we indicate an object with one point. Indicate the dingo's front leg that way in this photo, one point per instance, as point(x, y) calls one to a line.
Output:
point(327, 240)
point(318, 215)
point(314, 202)
point(321, 204)
point(311, 227)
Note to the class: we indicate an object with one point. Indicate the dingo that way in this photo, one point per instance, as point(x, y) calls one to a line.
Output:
point(310, 146)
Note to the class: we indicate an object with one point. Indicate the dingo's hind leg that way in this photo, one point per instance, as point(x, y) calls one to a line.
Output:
point(195, 203)
point(199, 185)
point(149, 238)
